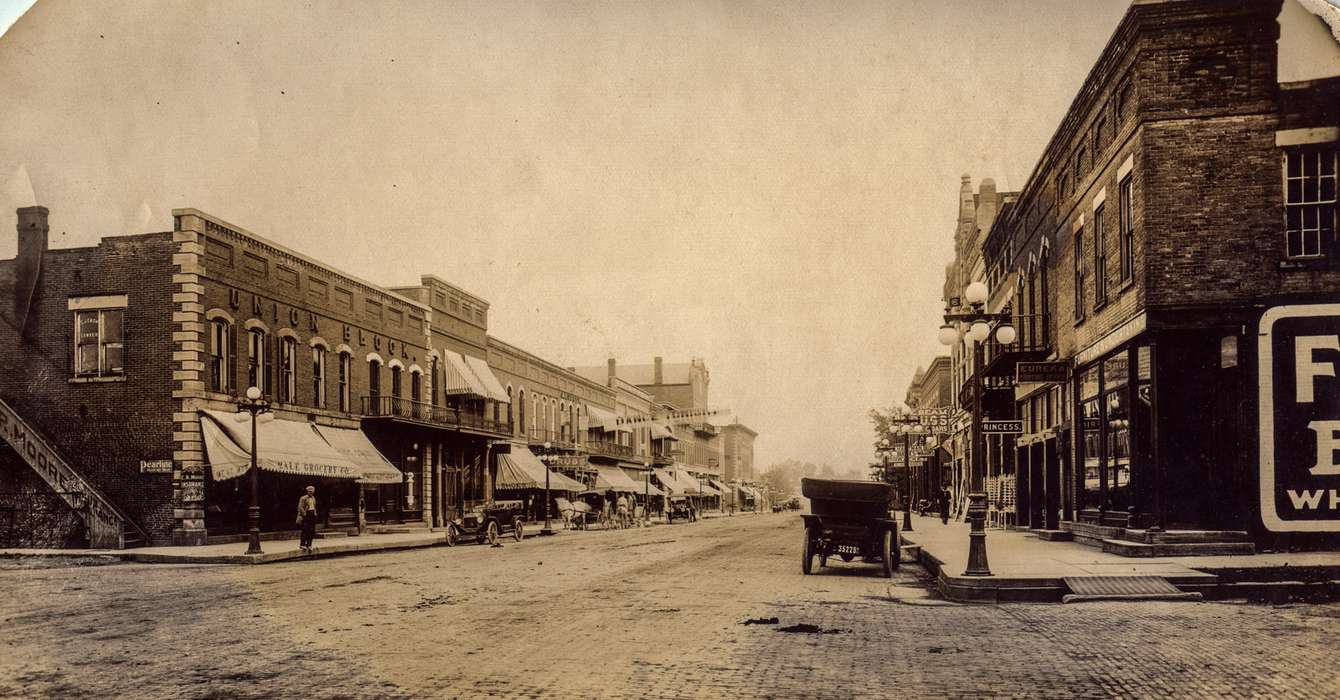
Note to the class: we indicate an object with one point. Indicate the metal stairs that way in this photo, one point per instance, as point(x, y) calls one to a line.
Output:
point(107, 526)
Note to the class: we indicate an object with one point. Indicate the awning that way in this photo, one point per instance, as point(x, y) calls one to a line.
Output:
point(461, 380)
point(678, 484)
point(661, 431)
point(286, 446)
point(717, 485)
point(354, 444)
point(492, 386)
point(521, 469)
point(608, 477)
point(602, 419)
point(745, 491)
point(709, 488)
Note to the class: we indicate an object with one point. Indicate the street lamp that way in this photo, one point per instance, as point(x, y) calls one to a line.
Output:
point(254, 405)
point(548, 529)
point(980, 325)
point(906, 425)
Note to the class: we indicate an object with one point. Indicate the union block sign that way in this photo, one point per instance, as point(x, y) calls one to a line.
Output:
point(1299, 400)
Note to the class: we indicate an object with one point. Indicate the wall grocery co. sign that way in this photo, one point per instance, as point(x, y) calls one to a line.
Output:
point(1299, 401)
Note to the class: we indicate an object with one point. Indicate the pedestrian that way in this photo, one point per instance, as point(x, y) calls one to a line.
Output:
point(944, 505)
point(307, 518)
point(362, 512)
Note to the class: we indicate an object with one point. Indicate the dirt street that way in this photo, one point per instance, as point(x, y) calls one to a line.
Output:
point(653, 612)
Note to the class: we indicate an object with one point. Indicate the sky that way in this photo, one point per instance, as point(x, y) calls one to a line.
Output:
point(770, 186)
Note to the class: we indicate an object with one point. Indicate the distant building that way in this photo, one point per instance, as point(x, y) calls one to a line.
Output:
point(737, 449)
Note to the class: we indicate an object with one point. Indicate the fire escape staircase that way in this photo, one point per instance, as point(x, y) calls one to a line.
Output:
point(107, 526)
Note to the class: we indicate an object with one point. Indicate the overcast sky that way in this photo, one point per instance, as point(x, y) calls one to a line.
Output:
point(769, 186)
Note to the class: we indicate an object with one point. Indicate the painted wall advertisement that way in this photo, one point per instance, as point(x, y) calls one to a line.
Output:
point(1299, 401)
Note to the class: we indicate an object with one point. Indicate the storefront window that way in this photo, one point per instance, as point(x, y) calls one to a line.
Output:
point(1118, 451)
point(1091, 416)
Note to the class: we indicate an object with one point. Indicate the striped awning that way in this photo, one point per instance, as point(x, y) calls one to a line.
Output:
point(492, 386)
point(355, 445)
point(610, 477)
point(600, 418)
point(520, 469)
point(461, 380)
point(661, 431)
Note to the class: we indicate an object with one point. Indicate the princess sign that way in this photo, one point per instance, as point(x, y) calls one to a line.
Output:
point(1299, 400)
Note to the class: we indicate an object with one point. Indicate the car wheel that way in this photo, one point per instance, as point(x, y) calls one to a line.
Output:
point(451, 536)
point(518, 529)
point(807, 563)
point(890, 555)
point(491, 535)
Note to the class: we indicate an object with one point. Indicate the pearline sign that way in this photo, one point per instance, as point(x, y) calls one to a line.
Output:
point(1298, 353)
point(1002, 426)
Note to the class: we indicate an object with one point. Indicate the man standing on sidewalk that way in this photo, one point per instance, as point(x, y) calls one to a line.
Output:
point(944, 505)
point(307, 518)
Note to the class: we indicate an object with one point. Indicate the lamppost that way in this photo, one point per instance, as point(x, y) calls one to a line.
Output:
point(548, 529)
point(254, 405)
point(981, 324)
point(906, 425)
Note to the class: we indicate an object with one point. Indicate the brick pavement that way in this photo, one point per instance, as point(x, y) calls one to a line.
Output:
point(640, 613)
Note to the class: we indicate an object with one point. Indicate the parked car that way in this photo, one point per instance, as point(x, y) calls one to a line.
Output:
point(849, 519)
point(487, 522)
point(681, 508)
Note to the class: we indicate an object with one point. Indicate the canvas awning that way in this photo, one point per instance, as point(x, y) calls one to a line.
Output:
point(461, 380)
point(492, 386)
point(286, 446)
point(678, 483)
point(608, 477)
point(355, 445)
point(661, 431)
point(718, 486)
point(521, 469)
point(709, 488)
point(602, 419)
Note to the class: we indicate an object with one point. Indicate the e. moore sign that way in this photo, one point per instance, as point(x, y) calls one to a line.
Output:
point(1299, 401)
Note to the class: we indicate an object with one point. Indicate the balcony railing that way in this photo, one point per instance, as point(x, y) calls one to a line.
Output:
point(555, 438)
point(1032, 342)
point(419, 411)
point(610, 449)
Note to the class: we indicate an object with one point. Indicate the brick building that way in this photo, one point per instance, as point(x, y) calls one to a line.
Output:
point(1187, 190)
point(929, 390)
point(125, 362)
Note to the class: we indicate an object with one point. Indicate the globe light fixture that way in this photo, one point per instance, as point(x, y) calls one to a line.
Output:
point(979, 331)
point(976, 293)
point(253, 393)
point(948, 335)
point(1005, 334)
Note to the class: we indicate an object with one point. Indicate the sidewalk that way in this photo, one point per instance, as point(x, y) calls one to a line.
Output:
point(1025, 568)
point(235, 553)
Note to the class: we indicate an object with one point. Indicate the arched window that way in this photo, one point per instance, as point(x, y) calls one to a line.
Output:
point(259, 365)
point(511, 410)
point(375, 387)
point(346, 369)
point(432, 389)
point(395, 381)
point(521, 408)
point(220, 355)
point(288, 369)
point(319, 376)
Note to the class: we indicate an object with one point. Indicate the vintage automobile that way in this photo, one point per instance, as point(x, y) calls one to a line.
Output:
point(793, 504)
point(487, 522)
point(849, 519)
point(680, 507)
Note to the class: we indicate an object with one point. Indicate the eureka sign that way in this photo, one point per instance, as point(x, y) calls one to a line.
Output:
point(1299, 401)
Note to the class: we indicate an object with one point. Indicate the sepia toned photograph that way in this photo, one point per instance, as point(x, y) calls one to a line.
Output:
point(669, 349)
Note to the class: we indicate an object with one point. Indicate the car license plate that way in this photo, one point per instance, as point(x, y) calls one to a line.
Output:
point(848, 549)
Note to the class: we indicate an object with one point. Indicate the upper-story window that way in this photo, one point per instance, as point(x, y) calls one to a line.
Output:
point(1126, 226)
point(346, 368)
point(1310, 200)
point(259, 365)
point(1062, 186)
point(318, 376)
point(220, 355)
point(288, 370)
point(395, 381)
point(1099, 133)
point(1099, 260)
point(374, 384)
point(1078, 258)
point(99, 342)
point(1081, 165)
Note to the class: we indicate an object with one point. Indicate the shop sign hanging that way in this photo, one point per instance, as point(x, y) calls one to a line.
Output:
point(1299, 399)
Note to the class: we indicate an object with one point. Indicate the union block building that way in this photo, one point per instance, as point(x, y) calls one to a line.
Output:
point(1186, 200)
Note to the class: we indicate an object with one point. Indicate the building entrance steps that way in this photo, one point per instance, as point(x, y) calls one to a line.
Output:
point(1025, 567)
